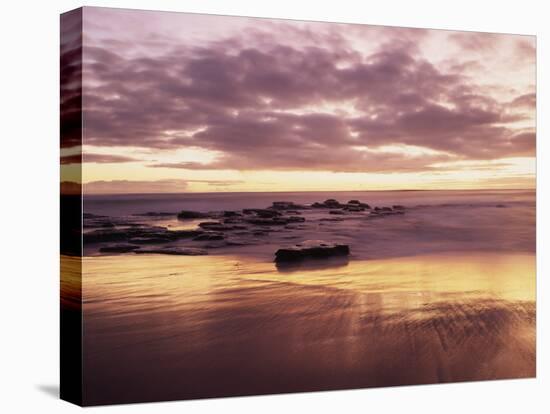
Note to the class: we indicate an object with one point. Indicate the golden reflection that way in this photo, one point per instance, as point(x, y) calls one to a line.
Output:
point(71, 282)
point(370, 323)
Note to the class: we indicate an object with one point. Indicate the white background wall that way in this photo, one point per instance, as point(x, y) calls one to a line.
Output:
point(29, 205)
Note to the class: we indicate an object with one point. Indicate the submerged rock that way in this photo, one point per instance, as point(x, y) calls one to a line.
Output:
point(287, 205)
point(383, 213)
point(119, 248)
point(311, 249)
point(149, 240)
point(179, 251)
point(331, 219)
point(182, 234)
point(142, 235)
point(187, 214)
point(155, 214)
point(354, 208)
point(262, 212)
point(295, 219)
point(216, 226)
point(104, 235)
point(275, 221)
point(209, 224)
point(231, 214)
point(330, 203)
point(356, 205)
point(91, 216)
point(378, 209)
point(208, 236)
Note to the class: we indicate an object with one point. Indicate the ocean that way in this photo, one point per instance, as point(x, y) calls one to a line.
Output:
point(435, 221)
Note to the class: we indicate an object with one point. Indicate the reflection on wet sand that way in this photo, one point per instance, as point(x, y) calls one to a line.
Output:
point(160, 327)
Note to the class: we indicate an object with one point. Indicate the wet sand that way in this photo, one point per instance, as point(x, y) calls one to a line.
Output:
point(161, 327)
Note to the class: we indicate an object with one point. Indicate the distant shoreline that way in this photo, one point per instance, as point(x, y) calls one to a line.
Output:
point(312, 191)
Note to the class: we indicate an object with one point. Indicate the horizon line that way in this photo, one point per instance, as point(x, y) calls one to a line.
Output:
point(309, 191)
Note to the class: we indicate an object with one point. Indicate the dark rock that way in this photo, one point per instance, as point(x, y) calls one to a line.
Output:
point(332, 203)
point(231, 220)
point(148, 240)
point(142, 235)
point(287, 205)
point(104, 235)
point(155, 214)
point(179, 251)
point(91, 216)
point(185, 214)
point(295, 219)
point(357, 202)
point(267, 213)
point(208, 236)
point(382, 209)
point(118, 248)
point(216, 226)
point(383, 213)
point(182, 234)
point(339, 212)
point(275, 221)
point(207, 224)
point(231, 214)
point(262, 212)
point(353, 208)
point(311, 249)
point(296, 227)
point(398, 207)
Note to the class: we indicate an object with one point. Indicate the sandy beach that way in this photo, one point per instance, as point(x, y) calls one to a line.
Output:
point(174, 327)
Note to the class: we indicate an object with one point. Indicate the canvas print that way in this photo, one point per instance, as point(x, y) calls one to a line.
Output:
point(257, 206)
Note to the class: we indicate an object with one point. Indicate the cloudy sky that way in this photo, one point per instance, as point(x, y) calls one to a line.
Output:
point(184, 102)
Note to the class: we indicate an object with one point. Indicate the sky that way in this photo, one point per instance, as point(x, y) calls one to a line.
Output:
point(177, 102)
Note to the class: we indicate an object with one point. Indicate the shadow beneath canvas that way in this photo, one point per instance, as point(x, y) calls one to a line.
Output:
point(51, 390)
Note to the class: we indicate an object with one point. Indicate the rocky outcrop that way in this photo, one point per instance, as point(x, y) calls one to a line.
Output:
point(352, 205)
point(187, 214)
point(275, 221)
point(287, 205)
point(119, 248)
point(262, 212)
point(178, 251)
point(283, 221)
point(309, 249)
point(155, 214)
point(146, 234)
point(231, 214)
point(330, 203)
point(209, 236)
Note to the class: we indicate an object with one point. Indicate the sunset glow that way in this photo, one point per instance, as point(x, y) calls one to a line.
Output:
point(196, 103)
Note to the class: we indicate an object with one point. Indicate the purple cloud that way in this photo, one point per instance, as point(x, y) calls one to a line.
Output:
point(261, 102)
